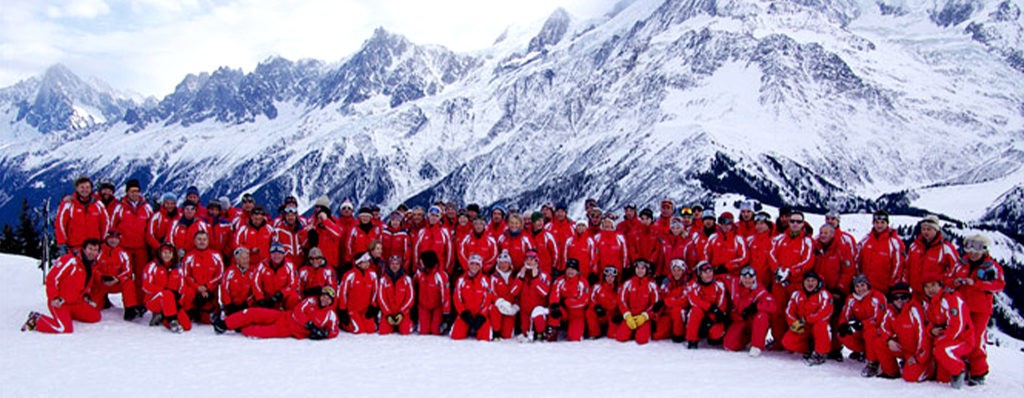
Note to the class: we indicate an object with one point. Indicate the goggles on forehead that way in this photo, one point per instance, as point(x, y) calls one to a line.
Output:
point(611, 271)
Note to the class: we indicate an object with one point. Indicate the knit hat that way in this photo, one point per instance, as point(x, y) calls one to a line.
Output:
point(881, 215)
point(931, 220)
point(323, 201)
point(364, 258)
point(572, 263)
point(977, 243)
point(225, 203)
point(315, 253)
point(247, 197)
point(168, 197)
point(192, 190)
point(504, 256)
point(189, 203)
point(676, 222)
point(474, 259)
point(747, 205)
point(132, 183)
point(858, 279)
point(667, 202)
point(365, 210)
point(347, 204)
point(704, 265)
point(473, 207)
point(561, 206)
point(677, 263)
point(536, 216)
point(725, 218)
point(646, 212)
point(832, 214)
point(214, 203)
point(899, 289)
point(240, 250)
point(106, 184)
point(709, 213)
point(763, 216)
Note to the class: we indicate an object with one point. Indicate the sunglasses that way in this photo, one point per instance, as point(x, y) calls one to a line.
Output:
point(258, 213)
point(881, 218)
point(795, 221)
point(901, 297)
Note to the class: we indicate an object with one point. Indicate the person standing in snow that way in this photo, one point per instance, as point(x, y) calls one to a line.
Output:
point(183, 230)
point(204, 270)
point(725, 249)
point(479, 242)
point(791, 255)
point(432, 295)
point(395, 298)
point(79, 218)
point(67, 292)
point(978, 278)
point(437, 238)
point(131, 218)
point(506, 290)
point(357, 307)
point(880, 256)
point(255, 234)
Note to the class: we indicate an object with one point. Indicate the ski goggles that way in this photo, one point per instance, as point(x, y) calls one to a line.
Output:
point(611, 271)
point(901, 296)
point(974, 247)
point(748, 272)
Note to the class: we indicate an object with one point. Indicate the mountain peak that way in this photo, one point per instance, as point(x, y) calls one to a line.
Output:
point(553, 31)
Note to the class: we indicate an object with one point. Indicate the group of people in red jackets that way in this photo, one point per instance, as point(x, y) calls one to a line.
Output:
point(918, 312)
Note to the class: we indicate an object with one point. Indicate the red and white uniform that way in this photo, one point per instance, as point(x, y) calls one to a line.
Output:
point(561, 231)
point(68, 281)
point(814, 309)
point(315, 278)
point(881, 259)
point(257, 239)
point(869, 310)
point(704, 297)
point(164, 288)
point(358, 293)
point(935, 257)
point(955, 339)
point(907, 327)
point(359, 240)
point(270, 279)
point(159, 227)
point(439, 239)
point(397, 242)
point(77, 221)
point(759, 247)
point(636, 297)
point(671, 321)
point(581, 248)
point(183, 232)
point(482, 245)
point(605, 296)
point(203, 268)
point(505, 287)
point(236, 289)
point(979, 297)
point(113, 262)
point(548, 255)
point(221, 236)
point(267, 323)
point(294, 238)
point(432, 298)
point(695, 253)
point(517, 246)
point(394, 297)
point(644, 243)
point(611, 250)
point(132, 220)
point(573, 294)
point(835, 265)
point(753, 329)
point(673, 247)
point(794, 254)
point(534, 294)
point(473, 294)
point(726, 250)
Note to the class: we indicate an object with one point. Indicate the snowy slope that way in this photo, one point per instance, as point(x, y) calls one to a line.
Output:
point(132, 358)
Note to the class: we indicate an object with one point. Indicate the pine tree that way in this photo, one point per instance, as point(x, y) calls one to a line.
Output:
point(27, 234)
point(8, 241)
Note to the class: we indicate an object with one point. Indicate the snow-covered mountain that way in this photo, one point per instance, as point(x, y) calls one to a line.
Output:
point(852, 104)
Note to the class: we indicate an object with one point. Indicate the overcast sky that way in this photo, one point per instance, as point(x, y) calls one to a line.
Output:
point(147, 46)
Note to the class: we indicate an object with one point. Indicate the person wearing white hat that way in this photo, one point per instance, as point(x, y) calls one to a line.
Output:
point(670, 318)
point(930, 252)
point(357, 297)
point(979, 278)
point(473, 300)
point(506, 290)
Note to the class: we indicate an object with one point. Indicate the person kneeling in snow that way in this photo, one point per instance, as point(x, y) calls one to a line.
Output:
point(164, 285)
point(752, 309)
point(636, 301)
point(569, 298)
point(313, 319)
point(809, 308)
point(903, 338)
point(707, 307)
point(66, 292)
point(670, 321)
point(473, 300)
point(604, 306)
point(506, 294)
point(394, 296)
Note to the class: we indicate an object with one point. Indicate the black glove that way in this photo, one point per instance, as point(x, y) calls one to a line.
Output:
point(108, 278)
point(987, 275)
point(555, 310)
point(658, 305)
point(715, 314)
point(555, 274)
point(599, 310)
point(316, 333)
point(719, 270)
point(62, 250)
point(277, 297)
point(313, 238)
point(466, 316)
point(750, 311)
point(478, 321)
point(617, 318)
point(660, 280)
point(233, 308)
point(446, 322)
point(371, 312)
point(845, 329)
point(856, 325)
point(592, 279)
point(343, 317)
point(265, 303)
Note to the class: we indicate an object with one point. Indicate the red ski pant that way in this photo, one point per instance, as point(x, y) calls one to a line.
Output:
point(460, 330)
point(642, 333)
point(99, 290)
point(801, 342)
point(863, 341)
point(573, 320)
point(504, 325)
point(693, 325)
point(753, 331)
point(949, 357)
point(670, 323)
point(164, 303)
point(360, 323)
point(912, 372)
point(595, 323)
point(404, 326)
point(978, 357)
point(60, 319)
point(779, 323)
point(265, 323)
point(139, 258)
point(430, 320)
point(526, 322)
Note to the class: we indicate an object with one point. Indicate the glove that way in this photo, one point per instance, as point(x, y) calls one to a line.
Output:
point(782, 276)
point(856, 326)
point(395, 320)
point(599, 310)
point(313, 238)
point(617, 319)
point(107, 278)
point(343, 317)
point(315, 333)
point(479, 321)
point(592, 279)
point(987, 275)
point(312, 291)
point(719, 270)
point(466, 317)
point(750, 311)
point(446, 322)
point(265, 303)
point(641, 319)
point(845, 329)
point(630, 322)
point(181, 253)
point(661, 280)
point(62, 250)
point(555, 310)
point(797, 327)
point(277, 297)
point(715, 315)
point(371, 312)
point(658, 306)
